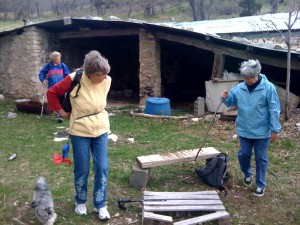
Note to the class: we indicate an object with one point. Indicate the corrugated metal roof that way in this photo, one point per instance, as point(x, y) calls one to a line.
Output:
point(261, 23)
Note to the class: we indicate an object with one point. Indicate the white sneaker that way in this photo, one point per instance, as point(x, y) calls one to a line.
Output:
point(103, 213)
point(80, 209)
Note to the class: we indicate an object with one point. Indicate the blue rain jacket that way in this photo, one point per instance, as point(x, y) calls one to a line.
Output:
point(258, 111)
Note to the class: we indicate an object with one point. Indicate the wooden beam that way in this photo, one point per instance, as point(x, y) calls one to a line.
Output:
point(174, 193)
point(176, 157)
point(98, 33)
point(241, 54)
point(218, 66)
point(181, 208)
point(183, 202)
point(174, 197)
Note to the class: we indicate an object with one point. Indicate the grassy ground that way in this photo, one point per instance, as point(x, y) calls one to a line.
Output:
point(31, 138)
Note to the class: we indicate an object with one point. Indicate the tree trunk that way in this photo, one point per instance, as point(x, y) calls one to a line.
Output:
point(274, 6)
point(130, 8)
point(198, 9)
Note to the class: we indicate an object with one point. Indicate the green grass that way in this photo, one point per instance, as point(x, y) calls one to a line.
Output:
point(31, 138)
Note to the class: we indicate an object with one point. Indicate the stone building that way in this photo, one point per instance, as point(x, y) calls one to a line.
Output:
point(140, 55)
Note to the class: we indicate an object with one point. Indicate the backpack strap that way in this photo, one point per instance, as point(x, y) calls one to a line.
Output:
point(209, 168)
point(76, 81)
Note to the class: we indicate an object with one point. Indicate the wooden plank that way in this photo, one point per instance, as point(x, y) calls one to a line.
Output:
point(176, 157)
point(204, 218)
point(218, 66)
point(184, 208)
point(158, 193)
point(98, 33)
point(184, 202)
point(157, 217)
point(178, 197)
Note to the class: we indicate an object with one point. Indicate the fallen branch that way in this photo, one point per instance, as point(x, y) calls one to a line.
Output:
point(132, 113)
point(18, 221)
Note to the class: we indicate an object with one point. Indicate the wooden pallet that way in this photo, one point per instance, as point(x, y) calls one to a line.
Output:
point(204, 201)
point(149, 161)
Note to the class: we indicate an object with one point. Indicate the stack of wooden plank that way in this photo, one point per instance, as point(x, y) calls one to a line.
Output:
point(207, 202)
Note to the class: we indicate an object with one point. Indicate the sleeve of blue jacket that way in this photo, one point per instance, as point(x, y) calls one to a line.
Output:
point(274, 109)
point(66, 70)
point(43, 72)
point(231, 99)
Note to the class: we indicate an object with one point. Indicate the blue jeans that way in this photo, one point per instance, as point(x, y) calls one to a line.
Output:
point(261, 158)
point(82, 148)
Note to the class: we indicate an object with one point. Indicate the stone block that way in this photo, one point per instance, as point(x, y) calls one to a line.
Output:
point(139, 177)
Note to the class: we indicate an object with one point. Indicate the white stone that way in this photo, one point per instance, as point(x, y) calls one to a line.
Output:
point(130, 140)
point(113, 137)
point(195, 119)
point(1, 98)
point(11, 115)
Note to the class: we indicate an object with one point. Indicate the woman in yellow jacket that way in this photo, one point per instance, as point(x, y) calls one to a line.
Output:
point(89, 126)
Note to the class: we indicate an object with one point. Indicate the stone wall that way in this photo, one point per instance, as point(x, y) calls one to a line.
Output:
point(23, 55)
point(150, 74)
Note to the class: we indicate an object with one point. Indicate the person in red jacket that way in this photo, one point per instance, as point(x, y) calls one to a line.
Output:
point(89, 127)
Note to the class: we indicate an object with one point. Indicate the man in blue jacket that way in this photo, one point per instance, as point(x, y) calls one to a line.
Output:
point(257, 121)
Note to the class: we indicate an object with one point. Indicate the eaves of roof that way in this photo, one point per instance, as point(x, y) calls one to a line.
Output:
point(69, 24)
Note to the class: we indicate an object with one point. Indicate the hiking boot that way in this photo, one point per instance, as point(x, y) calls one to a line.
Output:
point(103, 213)
point(80, 209)
point(259, 192)
point(60, 119)
point(247, 181)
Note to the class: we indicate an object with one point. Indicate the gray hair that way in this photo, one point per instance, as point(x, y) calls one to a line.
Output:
point(95, 64)
point(250, 68)
point(53, 55)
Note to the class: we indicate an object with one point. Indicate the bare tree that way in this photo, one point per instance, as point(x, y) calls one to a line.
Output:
point(292, 18)
point(274, 6)
point(100, 6)
point(201, 9)
point(37, 7)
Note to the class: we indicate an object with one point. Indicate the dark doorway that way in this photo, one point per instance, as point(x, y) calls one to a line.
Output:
point(184, 70)
point(122, 54)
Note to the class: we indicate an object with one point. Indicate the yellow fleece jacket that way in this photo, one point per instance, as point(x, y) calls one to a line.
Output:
point(89, 117)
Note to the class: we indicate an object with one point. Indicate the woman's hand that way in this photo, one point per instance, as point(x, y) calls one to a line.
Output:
point(224, 94)
point(65, 115)
point(274, 136)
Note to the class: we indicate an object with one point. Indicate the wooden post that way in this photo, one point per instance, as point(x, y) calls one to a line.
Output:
point(218, 66)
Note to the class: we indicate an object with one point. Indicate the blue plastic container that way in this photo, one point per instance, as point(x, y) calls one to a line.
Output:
point(158, 106)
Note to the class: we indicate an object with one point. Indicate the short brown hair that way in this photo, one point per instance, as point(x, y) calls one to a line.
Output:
point(95, 63)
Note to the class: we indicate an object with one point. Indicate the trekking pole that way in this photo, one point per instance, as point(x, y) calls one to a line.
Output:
point(208, 130)
point(43, 101)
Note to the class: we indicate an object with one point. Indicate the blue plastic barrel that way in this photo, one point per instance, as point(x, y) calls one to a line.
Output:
point(158, 106)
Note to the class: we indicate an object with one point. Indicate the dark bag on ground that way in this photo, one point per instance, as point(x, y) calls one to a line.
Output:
point(215, 172)
point(66, 105)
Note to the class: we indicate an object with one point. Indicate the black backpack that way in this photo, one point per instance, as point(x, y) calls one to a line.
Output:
point(66, 105)
point(215, 172)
